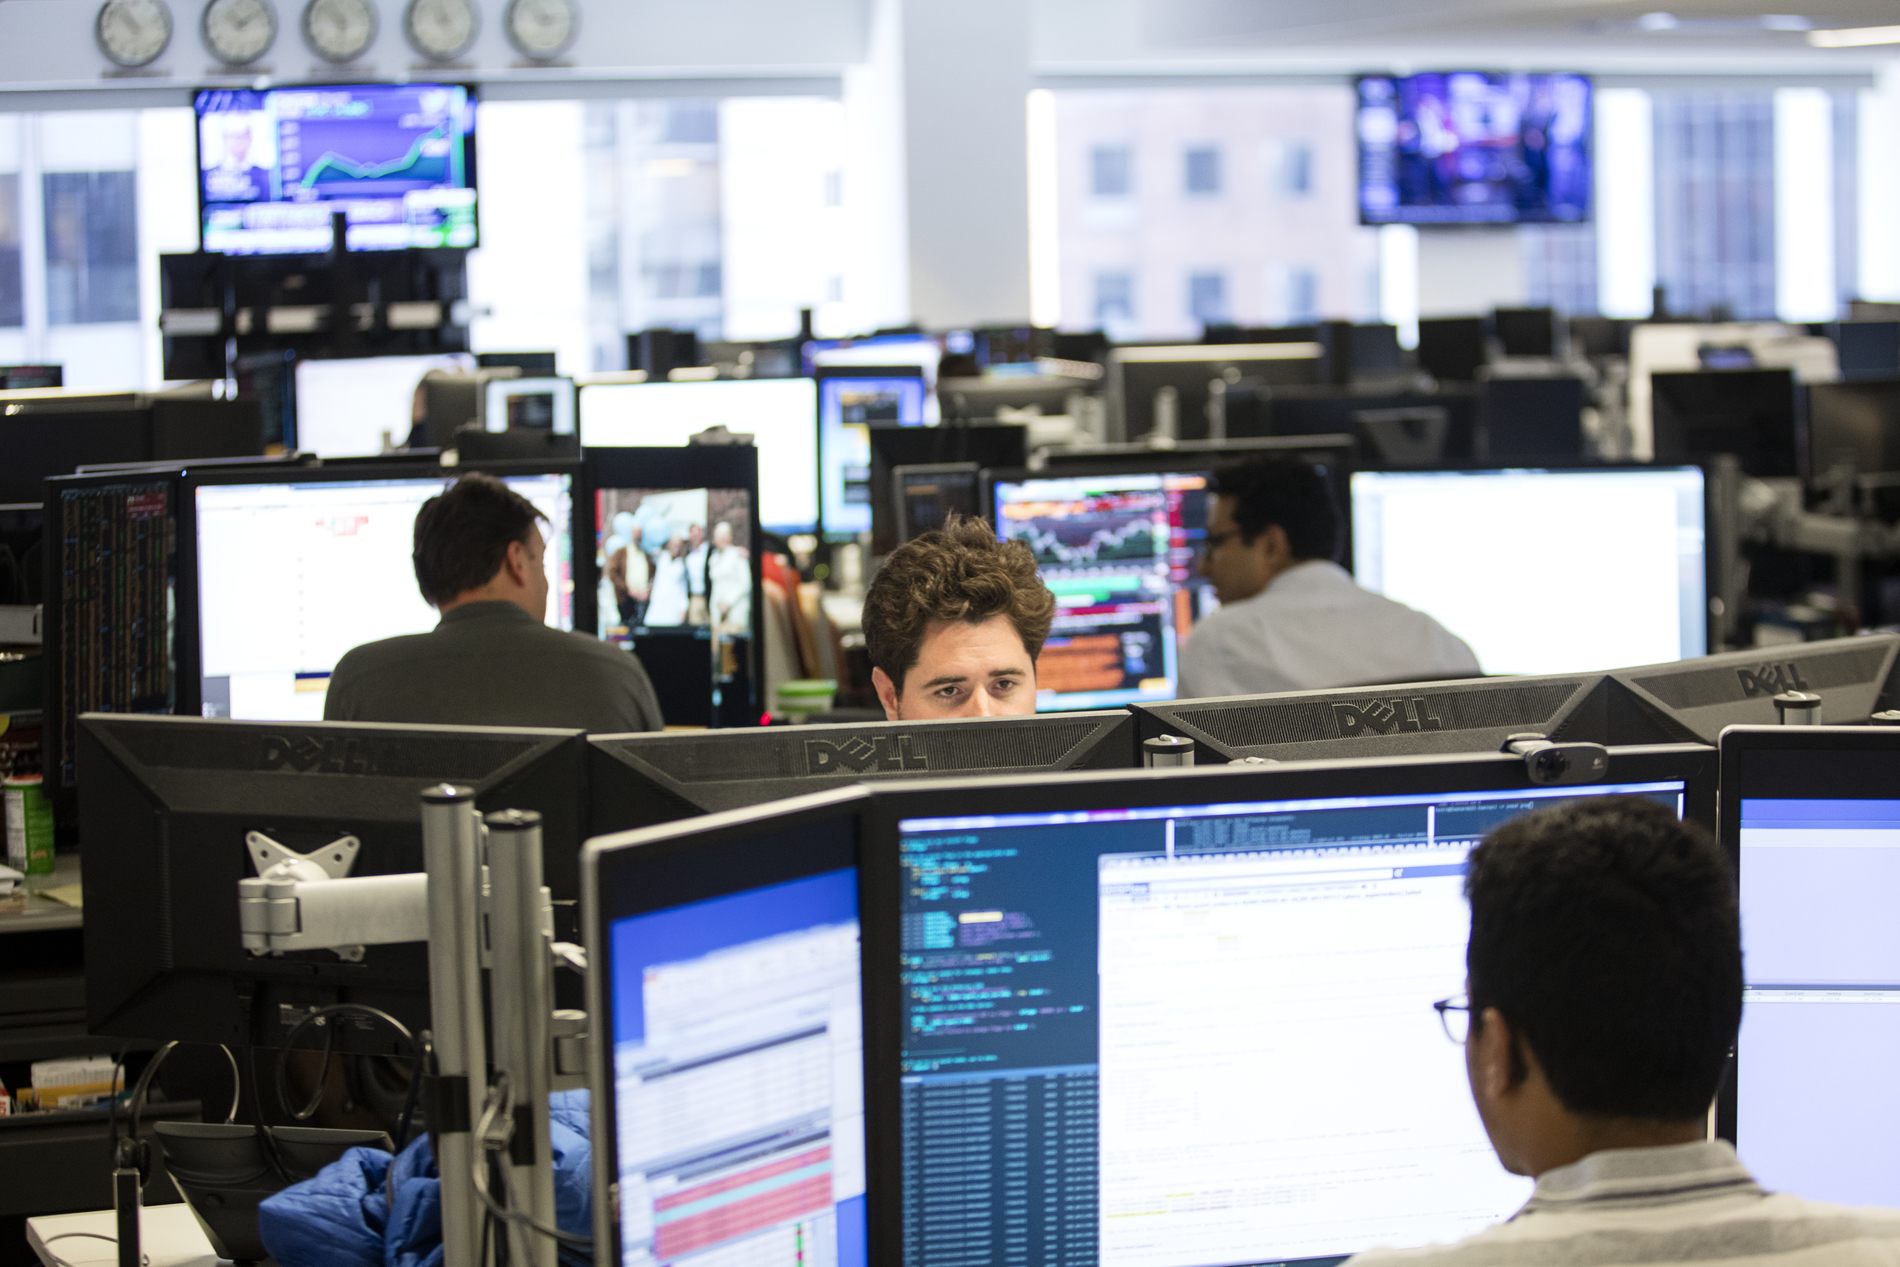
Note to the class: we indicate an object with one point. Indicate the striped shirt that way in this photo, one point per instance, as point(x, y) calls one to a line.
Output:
point(1687, 1203)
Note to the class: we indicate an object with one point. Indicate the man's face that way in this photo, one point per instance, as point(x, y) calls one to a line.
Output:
point(722, 535)
point(1239, 569)
point(237, 143)
point(964, 669)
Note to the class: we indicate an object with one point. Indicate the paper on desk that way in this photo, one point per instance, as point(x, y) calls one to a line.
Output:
point(65, 895)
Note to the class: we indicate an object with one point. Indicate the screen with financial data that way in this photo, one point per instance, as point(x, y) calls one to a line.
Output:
point(1193, 1034)
point(291, 575)
point(1119, 553)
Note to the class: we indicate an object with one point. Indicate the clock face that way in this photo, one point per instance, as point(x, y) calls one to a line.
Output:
point(238, 31)
point(441, 29)
point(339, 30)
point(134, 32)
point(542, 28)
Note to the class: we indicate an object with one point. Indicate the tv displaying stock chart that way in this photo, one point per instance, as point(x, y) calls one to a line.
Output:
point(396, 160)
point(1472, 147)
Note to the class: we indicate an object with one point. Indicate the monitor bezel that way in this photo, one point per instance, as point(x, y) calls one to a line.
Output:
point(890, 804)
point(1801, 443)
point(655, 868)
point(192, 478)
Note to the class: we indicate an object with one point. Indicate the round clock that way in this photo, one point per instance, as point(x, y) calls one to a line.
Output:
point(133, 32)
point(238, 31)
point(542, 29)
point(339, 30)
point(441, 30)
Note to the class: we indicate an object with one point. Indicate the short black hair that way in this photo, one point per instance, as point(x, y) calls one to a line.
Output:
point(1606, 931)
point(1295, 495)
point(463, 535)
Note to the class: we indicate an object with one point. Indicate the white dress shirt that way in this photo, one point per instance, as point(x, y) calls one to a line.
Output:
point(1311, 628)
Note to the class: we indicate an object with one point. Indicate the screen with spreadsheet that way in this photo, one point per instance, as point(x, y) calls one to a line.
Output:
point(291, 575)
point(1194, 1034)
point(738, 1091)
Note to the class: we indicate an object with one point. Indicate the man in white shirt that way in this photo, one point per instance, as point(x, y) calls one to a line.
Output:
point(1291, 619)
point(1604, 979)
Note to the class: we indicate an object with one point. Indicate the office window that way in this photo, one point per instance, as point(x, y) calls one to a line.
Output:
point(1715, 202)
point(1114, 301)
point(1847, 195)
point(12, 284)
point(1111, 171)
point(1560, 267)
point(1302, 302)
point(1293, 169)
point(1201, 170)
point(1207, 298)
point(91, 247)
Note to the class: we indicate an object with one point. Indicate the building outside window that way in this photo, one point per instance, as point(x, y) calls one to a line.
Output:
point(12, 284)
point(1560, 266)
point(1207, 298)
point(1114, 307)
point(1111, 171)
point(1292, 163)
point(1201, 171)
point(92, 242)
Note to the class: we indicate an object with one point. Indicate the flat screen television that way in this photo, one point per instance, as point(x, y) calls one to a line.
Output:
point(1474, 147)
point(396, 160)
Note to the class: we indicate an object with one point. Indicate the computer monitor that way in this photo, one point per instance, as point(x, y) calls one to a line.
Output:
point(850, 402)
point(50, 433)
point(1868, 349)
point(1855, 678)
point(1529, 332)
point(780, 414)
point(167, 812)
point(727, 1061)
point(1854, 423)
point(1468, 547)
point(641, 780)
point(1810, 820)
point(19, 377)
point(675, 566)
point(529, 404)
point(1452, 349)
point(293, 569)
point(923, 497)
point(1001, 393)
point(1137, 374)
point(913, 350)
point(991, 445)
point(363, 405)
point(1600, 338)
point(1533, 418)
point(531, 364)
point(1754, 414)
point(1194, 1007)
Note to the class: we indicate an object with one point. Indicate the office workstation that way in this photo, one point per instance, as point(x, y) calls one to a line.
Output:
point(915, 634)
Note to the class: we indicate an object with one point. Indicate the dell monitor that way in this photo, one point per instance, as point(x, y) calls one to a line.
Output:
point(1533, 418)
point(1452, 349)
point(1853, 676)
point(52, 433)
point(1194, 1007)
point(727, 1050)
point(1474, 147)
point(169, 807)
point(924, 497)
point(396, 161)
point(1137, 377)
point(993, 446)
point(851, 401)
point(1854, 424)
point(1811, 821)
point(1526, 332)
point(361, 406)
point(1468, 547)
point(1754, 414)
point(676, 572)
point(780, 414)
point(641, 780)
point(290, 570)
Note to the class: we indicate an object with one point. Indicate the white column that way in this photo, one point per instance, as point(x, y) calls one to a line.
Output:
point(1804, 205)
point(1398, 280)
point(779, 239)
point(1464, 271)
point(1880, 187)
point(1625, 202)
point(168, 215)
point(1045, 226)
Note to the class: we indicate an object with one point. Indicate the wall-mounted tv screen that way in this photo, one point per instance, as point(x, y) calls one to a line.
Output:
point(1471, 147)
point(398, 160)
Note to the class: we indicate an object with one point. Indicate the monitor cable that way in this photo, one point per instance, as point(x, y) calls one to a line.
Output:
point(495, 1141)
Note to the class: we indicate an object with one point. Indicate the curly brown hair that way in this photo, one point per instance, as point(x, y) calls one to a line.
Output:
point(958, 572)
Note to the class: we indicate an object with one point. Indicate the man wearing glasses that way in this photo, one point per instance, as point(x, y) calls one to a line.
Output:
point(1291, 618)
point(1605, 989)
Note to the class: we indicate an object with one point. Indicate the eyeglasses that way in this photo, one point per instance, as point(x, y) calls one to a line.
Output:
point(1454, 1014)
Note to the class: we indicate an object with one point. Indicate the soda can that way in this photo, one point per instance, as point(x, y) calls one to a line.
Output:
point(29, 825)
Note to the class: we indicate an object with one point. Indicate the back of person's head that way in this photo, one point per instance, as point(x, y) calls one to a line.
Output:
point(1606, 932)
point(1294, 495)
point(463, 535)
point(959, 572)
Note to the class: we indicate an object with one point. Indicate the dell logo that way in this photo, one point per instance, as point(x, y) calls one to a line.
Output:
point(1770, 679)
point(308, 754)
point(884, 754)
point(1385, 717)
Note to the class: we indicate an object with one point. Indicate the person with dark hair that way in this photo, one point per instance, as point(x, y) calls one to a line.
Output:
point(492, 661)
point(953, 623)
point(1290, 617)
point(1603, 994)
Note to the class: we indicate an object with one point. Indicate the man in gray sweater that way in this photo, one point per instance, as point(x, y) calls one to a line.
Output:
point(492, 661)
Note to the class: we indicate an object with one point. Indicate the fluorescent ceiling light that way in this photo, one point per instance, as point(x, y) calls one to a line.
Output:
point(1855, 37)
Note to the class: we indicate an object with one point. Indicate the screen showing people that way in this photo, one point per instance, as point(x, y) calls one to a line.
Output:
point(396, 160)
point(293, 575)
point(1474, 148)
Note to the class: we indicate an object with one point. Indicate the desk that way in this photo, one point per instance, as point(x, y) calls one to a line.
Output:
point(169, 1236)
point(32, 913)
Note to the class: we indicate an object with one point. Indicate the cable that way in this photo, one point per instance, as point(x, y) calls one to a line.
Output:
point(87, 1236)
point(319, 1017)
point(499, 1100)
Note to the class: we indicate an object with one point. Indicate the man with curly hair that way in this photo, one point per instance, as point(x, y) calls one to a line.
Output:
point(953, 622)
